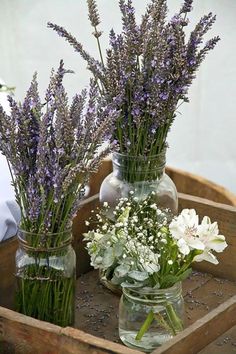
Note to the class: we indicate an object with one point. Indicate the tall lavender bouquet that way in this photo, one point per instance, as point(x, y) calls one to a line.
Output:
point(148, 70)
point(51, 148)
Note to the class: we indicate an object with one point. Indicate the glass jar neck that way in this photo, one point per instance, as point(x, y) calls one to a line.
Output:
point(139, 168)
point(44, 242)
point(153, 296)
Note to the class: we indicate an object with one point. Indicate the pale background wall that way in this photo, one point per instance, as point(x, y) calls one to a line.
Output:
point(202, 139)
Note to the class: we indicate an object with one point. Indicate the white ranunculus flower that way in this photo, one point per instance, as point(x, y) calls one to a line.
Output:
point(184, 229)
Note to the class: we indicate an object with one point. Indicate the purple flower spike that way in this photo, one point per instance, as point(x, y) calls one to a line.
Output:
point(148, 70)
point(52, 148)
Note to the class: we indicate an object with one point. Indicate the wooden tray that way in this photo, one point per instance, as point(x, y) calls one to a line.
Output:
point(210, 298)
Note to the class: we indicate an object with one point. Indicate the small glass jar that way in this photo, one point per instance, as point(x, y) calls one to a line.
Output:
point(150, 317)
point(46, 275)
point(141, 175)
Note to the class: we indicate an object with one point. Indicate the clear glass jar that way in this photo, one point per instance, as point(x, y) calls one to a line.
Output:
point(150, 317)
point(142, 175)
point(46, 274)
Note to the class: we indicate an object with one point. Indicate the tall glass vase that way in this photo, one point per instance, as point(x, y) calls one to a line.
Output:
point(46, 274)
point(141, 175)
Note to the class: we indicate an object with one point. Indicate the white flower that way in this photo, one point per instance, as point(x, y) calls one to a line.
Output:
point(185, 228)
point(119, 224)
point(163, 240)
point(97, 236)
point(209, 235)
point(170, 262)
point(153, 206)
point(87, 223)
point(104, 227)
point(135, 219)
point(105, 204)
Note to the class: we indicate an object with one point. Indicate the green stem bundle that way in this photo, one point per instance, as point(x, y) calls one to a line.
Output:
point(171, 324)
point(46, 294)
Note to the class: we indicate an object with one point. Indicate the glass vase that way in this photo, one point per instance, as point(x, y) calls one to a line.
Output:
point(142, 175)
point(46, 274)
point(150, 317)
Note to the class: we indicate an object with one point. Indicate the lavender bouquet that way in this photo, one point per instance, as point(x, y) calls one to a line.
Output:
point(51, 148)
point(148, 70)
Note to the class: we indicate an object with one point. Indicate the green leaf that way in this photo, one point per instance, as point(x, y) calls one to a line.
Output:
point(139, 276)
point(185, 274)
point(118, 249)
point(108, 258)
point(121, 271)
point(168, 281)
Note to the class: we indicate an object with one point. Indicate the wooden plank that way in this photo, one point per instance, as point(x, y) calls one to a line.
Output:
point(96, 178)
point(208, 297)
point(226, 217)
point(203, 331)
point(28, 335)
point(89, 342)
point(198, 186)
point(79, 227)
point(7, 270)
point(226, 343)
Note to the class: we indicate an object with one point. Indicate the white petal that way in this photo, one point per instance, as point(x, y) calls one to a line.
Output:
point(177, 231)
point(206, 256)
point(183, 247)
point(217, 244)
point(195, 243)
point(190, 217)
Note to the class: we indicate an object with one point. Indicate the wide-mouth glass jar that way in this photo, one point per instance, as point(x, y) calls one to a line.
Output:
point(142, 175)
point(149, 317)
point(46, 274)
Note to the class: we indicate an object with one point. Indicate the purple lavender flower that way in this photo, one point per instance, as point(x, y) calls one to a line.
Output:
point(148, 70)
point(52, 148)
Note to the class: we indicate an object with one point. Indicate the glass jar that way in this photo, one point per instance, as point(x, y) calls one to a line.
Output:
point(149, 317)
point(46, 274)
point(141, 175)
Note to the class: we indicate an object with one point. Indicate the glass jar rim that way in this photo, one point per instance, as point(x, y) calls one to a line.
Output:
point(131, 291)
point(29, 233)
point(44, 242)
point(141, 157)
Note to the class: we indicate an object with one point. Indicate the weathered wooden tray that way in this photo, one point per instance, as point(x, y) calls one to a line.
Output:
point(210, 293)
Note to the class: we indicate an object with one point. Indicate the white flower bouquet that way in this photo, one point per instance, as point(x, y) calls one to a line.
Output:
point(145, 247)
